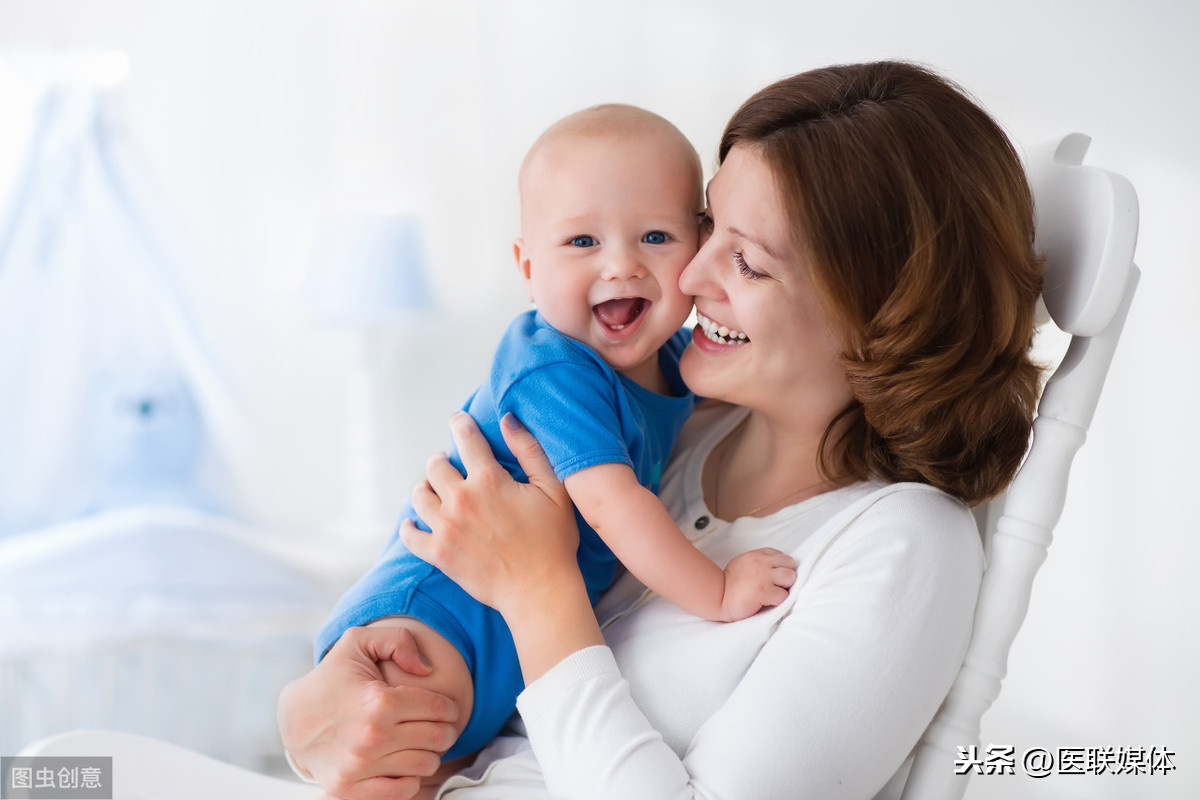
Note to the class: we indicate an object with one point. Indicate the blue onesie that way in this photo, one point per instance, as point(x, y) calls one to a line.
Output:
point(583, 413)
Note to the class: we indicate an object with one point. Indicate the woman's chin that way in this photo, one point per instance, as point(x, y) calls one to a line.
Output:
point(704, 374)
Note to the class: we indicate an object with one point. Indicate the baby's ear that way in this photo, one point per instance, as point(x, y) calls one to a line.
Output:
point(521, 254)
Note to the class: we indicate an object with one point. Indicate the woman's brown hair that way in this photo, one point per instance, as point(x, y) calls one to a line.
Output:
point(912, 207)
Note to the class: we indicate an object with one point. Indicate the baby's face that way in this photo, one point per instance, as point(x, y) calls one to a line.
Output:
point(608, 225)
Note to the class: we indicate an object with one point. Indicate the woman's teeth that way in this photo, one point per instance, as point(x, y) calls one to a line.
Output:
point(719, 333)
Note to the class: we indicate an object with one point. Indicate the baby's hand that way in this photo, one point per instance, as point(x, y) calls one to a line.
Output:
point(754, 580)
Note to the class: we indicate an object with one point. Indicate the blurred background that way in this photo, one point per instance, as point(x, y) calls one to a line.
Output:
point(212, 398)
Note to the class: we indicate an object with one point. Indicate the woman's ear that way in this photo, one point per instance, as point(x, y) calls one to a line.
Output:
point(521, 254)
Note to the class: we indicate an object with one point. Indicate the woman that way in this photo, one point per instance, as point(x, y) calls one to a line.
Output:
point(871, 237)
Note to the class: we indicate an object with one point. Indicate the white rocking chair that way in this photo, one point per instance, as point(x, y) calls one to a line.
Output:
point(1087, 226)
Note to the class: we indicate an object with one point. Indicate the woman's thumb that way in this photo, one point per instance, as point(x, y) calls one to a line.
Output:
point(388, 643)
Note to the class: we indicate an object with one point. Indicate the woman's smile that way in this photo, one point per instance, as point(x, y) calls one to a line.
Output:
point(720, 334)
point(763, 338)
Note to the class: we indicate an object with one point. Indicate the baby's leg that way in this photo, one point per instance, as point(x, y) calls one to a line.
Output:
point(450, 677)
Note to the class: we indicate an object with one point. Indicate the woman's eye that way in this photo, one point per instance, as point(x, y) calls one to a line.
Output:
point(745, 269)
point(655, 237)
point(584, 241)
point(706, 220)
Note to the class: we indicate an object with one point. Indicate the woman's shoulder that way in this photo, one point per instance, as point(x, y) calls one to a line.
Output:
point(912, 522)
point(916, 502)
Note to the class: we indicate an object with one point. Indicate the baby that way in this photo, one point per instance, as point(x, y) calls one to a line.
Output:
point(610, 204)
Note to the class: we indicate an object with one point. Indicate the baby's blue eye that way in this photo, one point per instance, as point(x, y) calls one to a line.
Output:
point(584, 241)
point(655, 237)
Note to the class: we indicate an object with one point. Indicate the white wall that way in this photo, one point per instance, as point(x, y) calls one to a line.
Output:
point(257, 117)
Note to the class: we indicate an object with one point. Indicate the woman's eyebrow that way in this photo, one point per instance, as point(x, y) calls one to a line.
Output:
point(759, 243)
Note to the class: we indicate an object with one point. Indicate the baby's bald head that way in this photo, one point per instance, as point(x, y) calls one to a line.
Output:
point(613, 122)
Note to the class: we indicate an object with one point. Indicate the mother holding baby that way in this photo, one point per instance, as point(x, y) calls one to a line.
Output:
point(871, 236)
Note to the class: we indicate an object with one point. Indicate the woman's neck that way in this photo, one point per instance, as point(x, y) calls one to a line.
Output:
point(763, 465)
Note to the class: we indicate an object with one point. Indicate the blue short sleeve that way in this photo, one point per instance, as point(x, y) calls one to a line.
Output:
point(574, 411)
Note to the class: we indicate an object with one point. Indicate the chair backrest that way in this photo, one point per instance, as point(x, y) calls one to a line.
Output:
point(1087, 223)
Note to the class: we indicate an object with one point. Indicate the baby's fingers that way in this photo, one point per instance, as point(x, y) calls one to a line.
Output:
point(780, 558)
point(773, 559)
point(773, 596)
point(783, 577)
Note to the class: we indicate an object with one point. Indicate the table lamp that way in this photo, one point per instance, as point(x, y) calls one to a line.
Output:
point(367, 273)
point(367, 269)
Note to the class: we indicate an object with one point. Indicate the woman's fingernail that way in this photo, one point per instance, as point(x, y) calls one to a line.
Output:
point(510, 419)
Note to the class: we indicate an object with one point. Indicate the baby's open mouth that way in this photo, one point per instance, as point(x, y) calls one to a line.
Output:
point(619, 313)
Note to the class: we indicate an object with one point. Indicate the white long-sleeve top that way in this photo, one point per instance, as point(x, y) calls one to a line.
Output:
point(822, 697)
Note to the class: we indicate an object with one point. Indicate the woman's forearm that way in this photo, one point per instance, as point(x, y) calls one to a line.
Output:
point(591, 739)
point(549, 621)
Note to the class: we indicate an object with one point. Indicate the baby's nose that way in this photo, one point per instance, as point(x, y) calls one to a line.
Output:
point(623, 264)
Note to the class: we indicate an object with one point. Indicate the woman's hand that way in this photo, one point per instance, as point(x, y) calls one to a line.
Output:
point(357, 737)
point(496, 538)
point(510, 545)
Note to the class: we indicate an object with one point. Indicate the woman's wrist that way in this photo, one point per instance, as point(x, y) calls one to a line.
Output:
point(549, 621)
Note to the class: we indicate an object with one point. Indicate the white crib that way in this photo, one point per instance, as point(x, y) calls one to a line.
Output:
point(156, 621)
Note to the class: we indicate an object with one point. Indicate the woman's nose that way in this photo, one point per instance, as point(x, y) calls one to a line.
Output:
point(697, 278)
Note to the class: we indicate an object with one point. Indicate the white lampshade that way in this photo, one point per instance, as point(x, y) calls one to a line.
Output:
point(367, 269)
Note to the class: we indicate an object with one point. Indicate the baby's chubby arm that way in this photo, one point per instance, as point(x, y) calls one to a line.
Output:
point(634, 524)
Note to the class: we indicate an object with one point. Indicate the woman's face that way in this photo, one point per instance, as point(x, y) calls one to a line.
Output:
point(765, 339)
